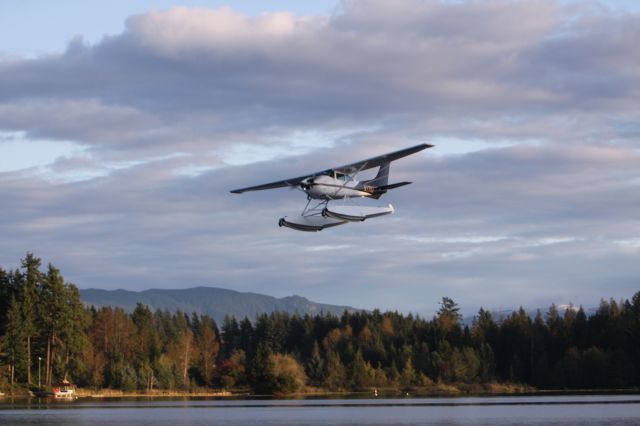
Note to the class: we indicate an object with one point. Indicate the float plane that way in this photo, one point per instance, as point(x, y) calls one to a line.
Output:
point(339, 183)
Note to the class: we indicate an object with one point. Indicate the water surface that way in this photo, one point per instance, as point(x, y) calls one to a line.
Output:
point(501, 411)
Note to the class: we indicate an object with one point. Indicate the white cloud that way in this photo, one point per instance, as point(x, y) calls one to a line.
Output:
point(183, 30)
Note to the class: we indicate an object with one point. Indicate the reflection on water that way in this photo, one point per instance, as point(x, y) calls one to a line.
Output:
point(516, 410)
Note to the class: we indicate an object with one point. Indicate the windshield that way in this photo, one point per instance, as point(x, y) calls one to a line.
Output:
point(343, 177)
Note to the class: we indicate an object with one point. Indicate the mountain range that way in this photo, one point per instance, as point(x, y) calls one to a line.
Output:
point(216, 302)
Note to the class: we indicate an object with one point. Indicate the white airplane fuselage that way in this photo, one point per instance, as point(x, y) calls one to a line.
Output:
point(325, 187)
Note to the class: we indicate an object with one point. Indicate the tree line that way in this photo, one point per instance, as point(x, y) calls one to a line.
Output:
point(46, 333)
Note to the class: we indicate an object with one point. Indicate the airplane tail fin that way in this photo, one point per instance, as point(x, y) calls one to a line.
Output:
point(382, 178)
point(380, 183)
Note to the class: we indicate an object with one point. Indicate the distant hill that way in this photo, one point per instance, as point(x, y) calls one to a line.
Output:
point(216, 302)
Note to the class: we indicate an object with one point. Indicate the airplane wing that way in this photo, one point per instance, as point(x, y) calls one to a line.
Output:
point(380, 159)
point(281, 183)
point(348, 169)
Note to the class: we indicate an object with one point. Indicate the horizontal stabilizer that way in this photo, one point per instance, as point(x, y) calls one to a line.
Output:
point(392, 186)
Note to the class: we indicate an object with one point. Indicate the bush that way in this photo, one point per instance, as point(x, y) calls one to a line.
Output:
point(289, 373)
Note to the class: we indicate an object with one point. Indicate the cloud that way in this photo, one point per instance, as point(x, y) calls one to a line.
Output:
point(86, 120)
point(183, 30)
point(186, 104)
point(218, 72)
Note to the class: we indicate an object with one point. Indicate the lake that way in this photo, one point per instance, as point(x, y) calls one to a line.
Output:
point(502, 410)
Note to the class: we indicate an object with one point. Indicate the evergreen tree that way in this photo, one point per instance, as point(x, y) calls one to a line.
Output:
point(30, 303)
point(6, 293)
point(14, 341)
point(448, 316)
point(246, 336)
point(315, 365)
point(147, 351)
point(262, 376)
point(54, 318)
point(230, 335)
point(74, 335)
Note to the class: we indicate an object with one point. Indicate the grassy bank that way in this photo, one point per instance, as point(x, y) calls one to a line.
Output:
point(114, 393)
point(439, 389)
point(434, 390)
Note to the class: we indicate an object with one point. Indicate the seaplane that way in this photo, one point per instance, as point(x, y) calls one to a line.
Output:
point(339, 183)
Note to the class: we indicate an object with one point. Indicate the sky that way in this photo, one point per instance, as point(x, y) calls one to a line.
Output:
point(122, 130)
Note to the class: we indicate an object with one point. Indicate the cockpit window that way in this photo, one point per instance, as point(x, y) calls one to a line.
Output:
point(343, 177)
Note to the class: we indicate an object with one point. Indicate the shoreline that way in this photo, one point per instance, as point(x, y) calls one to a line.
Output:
point(382, 394)
point(434, 391)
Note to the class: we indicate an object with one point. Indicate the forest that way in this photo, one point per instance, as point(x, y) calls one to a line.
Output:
point(48, 335)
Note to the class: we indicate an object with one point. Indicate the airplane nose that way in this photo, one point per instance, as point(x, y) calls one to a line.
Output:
point(307, 183)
